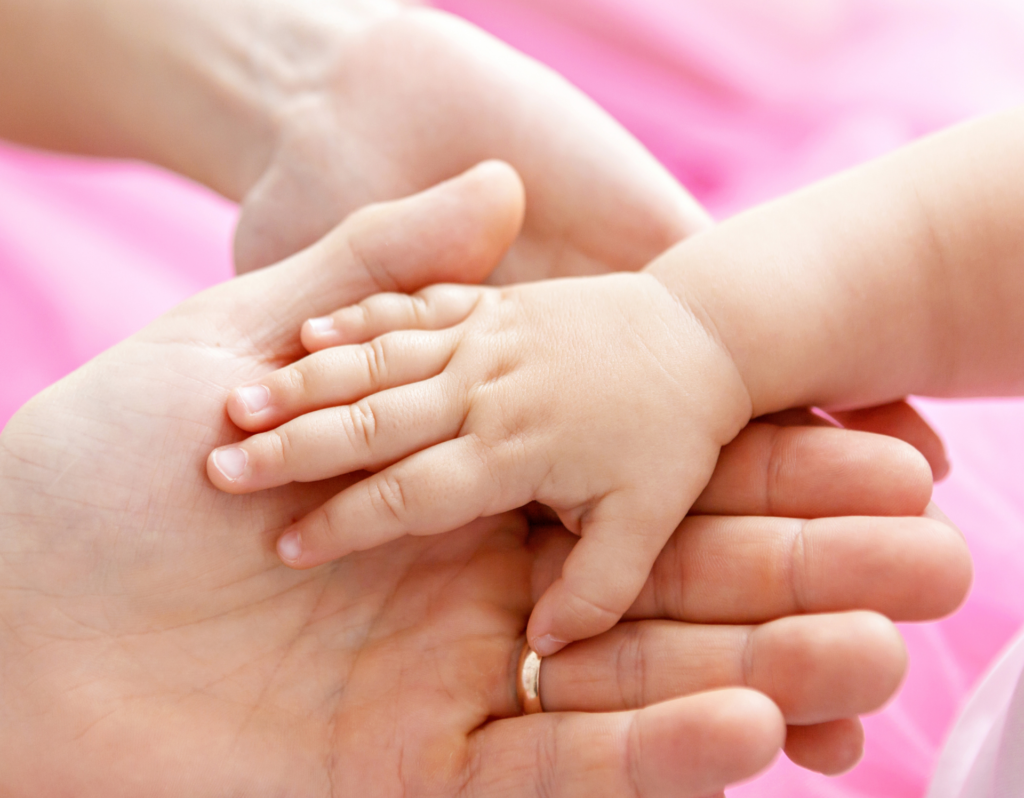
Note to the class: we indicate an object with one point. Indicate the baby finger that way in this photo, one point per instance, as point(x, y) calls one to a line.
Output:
point(603, 574)
point(436, 490)
point(339, 376)
point(433, 308)
point(371, 433)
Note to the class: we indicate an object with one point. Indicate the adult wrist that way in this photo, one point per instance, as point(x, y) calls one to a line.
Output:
point(194, 86)
point(237, 70)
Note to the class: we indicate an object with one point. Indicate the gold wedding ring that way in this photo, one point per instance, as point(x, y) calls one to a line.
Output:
point(528, 681)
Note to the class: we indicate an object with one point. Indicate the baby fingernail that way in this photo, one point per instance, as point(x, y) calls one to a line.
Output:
point(321, 325)
point(289, 547)
point(230, 462)
point(254, 397)
point(546, 645)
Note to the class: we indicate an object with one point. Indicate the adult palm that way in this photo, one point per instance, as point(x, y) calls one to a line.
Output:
point(400, 101)
point(152, 644)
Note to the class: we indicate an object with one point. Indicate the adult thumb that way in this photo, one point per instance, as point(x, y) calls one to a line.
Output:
point(457, 231)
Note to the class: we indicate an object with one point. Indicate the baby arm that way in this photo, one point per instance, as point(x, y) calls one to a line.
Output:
point(902, 276)
point(604, 398)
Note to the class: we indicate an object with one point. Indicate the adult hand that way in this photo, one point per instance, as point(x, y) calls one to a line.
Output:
point(152, 644)
point(308, 109)
point(900, 420)
point(395, 102)
point(392, 107)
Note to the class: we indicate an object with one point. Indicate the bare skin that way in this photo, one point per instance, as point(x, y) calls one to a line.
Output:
point(917, 285)
point(300, 111)
point(212, 90)
point(609, 398)
point(154, 645)
point(305, 111)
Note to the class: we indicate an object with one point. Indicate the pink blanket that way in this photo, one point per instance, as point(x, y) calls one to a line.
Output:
point(742, 100)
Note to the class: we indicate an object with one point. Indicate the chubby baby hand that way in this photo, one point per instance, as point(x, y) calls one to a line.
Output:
point(605, 398)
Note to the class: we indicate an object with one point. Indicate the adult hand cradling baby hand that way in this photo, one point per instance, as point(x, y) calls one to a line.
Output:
point(305, 111)
point(154, 645)
point(151, 642)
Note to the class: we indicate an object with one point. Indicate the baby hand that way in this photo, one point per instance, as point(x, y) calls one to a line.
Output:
point(604, 398)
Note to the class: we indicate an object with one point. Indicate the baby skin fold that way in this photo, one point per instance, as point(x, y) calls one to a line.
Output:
point(609, 398)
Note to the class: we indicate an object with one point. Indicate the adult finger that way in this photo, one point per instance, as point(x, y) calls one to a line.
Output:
point(815, 668)
point(689, 747)
point(719, 569)
point(811, 472)
point(457, 231)
point(900, 420)
point(830, 748)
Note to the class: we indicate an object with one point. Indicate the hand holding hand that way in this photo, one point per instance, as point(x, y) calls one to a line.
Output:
point(408, 99)
point(154, 645)
point(603, 398)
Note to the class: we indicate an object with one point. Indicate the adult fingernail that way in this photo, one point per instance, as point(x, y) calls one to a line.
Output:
point(321, 325)
point(254, 397)
point(289, 547)
point(546, 645)
point(231, 462)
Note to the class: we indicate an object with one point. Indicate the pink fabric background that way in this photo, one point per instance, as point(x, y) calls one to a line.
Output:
point(742, 100)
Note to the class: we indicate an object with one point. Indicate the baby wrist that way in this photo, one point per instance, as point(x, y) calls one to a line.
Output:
point(715, 296)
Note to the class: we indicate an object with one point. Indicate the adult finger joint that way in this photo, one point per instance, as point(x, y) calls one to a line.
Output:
point(631, 672)
point(370, 264)
point(798, 567)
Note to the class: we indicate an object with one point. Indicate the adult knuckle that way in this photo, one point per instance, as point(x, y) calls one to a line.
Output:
point(629, 667)
point(796, 571)
point(670, 578)
point(364, 256)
